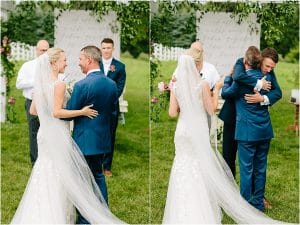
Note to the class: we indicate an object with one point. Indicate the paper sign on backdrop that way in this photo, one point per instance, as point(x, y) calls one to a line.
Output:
point(224, 40)
point(77, 28)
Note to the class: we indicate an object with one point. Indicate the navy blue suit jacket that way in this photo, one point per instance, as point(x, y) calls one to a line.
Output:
point(242, 77)
point(93, 136)
point(252, 120)
point(227, 112)
point(117, 73)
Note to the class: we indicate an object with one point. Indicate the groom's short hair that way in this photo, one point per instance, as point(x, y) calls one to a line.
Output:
point(108, 41)
point(92, 52)
point(270, 53)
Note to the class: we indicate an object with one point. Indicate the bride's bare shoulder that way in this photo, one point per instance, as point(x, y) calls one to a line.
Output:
point(59, 86)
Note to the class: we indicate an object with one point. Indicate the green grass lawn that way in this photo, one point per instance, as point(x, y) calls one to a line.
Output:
point(282, 187)
point(128, 187)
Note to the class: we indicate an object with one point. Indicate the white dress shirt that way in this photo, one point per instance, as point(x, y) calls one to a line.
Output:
point(106, 65)
point(92, 71)
point(210, 74)
point(258, 87)
point(26, 77)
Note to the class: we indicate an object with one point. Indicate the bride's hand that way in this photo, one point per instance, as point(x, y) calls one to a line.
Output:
point(87, 111)
point(219, 84)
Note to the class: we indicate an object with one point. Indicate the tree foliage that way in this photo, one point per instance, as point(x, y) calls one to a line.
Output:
point(32, 21)
point(173, 23)
point(173, 27)
point(279, 21)
point(29, 23)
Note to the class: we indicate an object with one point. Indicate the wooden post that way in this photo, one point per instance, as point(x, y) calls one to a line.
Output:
point(295, 126)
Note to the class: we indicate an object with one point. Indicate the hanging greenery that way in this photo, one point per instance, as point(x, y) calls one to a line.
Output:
point(279, 29)
point(279, 21)
point(32, 21)
point(8, 71)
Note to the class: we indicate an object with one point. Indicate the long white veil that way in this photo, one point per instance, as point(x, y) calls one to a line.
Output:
point(73, 171)
point(193, 102)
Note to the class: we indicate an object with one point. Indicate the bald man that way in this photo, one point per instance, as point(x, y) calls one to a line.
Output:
point(25, 82)
point(207, 71)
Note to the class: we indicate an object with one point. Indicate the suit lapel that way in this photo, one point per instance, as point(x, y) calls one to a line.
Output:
point(101, 66)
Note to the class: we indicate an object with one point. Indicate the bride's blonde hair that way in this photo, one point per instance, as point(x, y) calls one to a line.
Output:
point(196, 54)
point(54, 54)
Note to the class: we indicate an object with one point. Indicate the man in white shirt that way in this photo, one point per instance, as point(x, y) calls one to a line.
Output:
point(208, 71)
point(25, 81)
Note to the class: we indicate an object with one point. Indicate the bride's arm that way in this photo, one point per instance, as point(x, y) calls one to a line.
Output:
point(173, 107)
point(32, 109)
point(210, 100)
point(60, 112)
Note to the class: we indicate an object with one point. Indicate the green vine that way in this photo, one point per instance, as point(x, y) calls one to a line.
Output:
point(274, 19)
point(8, 71)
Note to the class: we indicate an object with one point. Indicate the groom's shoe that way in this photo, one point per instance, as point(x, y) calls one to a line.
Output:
point(107, 173)
point(267, 204)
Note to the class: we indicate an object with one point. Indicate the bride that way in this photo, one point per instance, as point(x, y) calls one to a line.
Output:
point(60, 179)
point(200, 182)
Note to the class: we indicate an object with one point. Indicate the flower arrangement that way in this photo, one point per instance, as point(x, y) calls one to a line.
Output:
point(11, 100)
point(5, 47)
point(8, 71)
point(112, 68)
point(162, 101)
point(160, 91)
point(11, 113)
point(163, 86)
point(70, 86)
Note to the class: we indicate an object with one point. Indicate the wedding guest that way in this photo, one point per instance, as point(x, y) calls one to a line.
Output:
point(115, 70)
point(25, 81)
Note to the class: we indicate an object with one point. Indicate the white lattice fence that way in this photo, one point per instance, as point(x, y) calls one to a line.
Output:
point(21, 51)
point(167, 53)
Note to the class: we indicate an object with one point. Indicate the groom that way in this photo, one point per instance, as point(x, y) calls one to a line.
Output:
point(93, 136)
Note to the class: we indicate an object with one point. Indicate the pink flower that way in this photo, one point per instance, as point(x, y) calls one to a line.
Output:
point(112, 68)
point(162, 86)
point(11, 100)
point(154, 100)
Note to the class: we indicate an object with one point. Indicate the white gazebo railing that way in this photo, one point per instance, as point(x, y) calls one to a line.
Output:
point(164, 53)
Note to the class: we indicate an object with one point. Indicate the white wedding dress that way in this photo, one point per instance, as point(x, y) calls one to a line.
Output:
point(200, 182)
point(60, 179)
